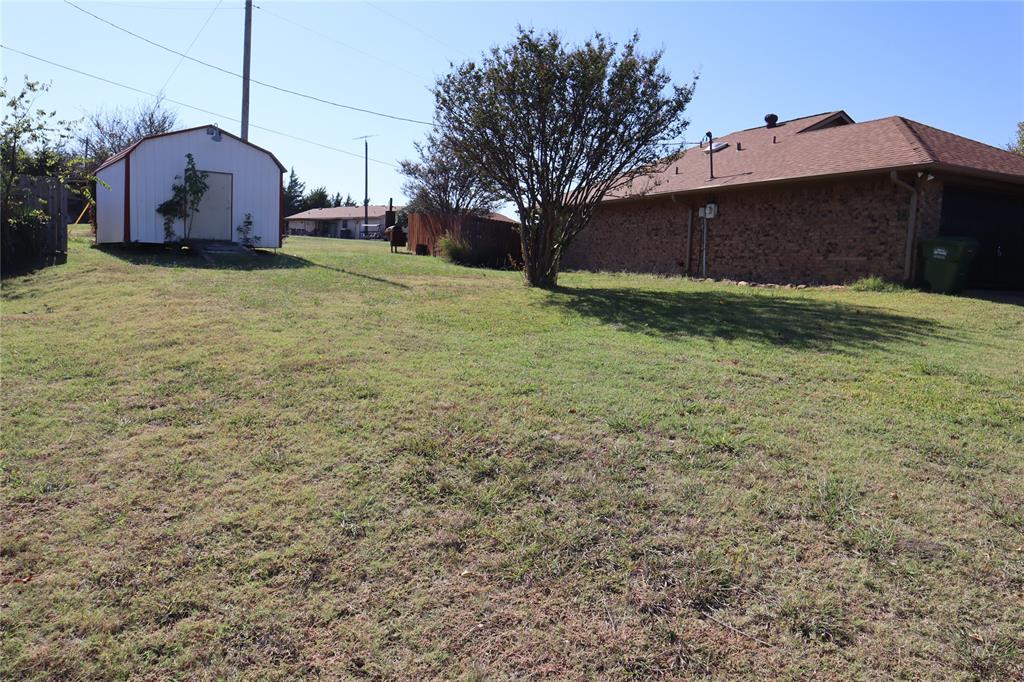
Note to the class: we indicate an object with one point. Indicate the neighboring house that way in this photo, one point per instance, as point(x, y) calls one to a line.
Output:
point(816, 199)
point(346, 222)
point(242, 179)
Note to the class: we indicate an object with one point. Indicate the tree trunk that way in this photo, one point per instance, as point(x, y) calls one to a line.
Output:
point(540, 268)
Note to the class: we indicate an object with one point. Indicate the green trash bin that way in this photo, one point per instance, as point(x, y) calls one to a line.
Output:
point(946, 262)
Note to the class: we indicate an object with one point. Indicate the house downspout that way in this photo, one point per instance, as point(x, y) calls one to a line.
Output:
point(689, 234)
point(689, 237)
point(704, 249)
point(908, 257)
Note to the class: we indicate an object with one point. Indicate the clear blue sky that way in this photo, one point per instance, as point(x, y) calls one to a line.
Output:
point(957, 66)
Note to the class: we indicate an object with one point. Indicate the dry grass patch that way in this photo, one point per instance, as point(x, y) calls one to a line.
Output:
point(341, 463)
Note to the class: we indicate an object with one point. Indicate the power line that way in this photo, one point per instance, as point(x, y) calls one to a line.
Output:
point(192, 106)
point(183, 6)
point(334, 40)
point(238, 75)
point(413, 26)
point(189, 48)
point(151, 5)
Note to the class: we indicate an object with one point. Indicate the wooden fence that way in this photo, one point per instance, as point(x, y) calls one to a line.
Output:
point(50, 195)
point(495, 242)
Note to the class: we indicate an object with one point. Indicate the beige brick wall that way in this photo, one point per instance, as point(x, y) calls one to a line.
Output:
point(816, 232)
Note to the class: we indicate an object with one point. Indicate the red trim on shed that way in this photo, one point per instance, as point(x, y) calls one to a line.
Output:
point(127, 151)
point(128, 198)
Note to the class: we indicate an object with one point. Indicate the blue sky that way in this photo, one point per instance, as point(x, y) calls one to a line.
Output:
point(956, 66)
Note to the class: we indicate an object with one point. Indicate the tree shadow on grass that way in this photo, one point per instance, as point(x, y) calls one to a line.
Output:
point(259, 259)
point(776, 320)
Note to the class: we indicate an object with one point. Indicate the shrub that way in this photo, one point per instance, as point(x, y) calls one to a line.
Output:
point(481, 255)
point(876, 283)
point(454, 250)
point(245, 233)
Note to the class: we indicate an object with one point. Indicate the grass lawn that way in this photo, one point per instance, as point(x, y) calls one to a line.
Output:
point(341, 462)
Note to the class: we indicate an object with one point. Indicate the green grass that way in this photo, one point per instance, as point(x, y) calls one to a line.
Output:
point(876, 283)
point(340, 462)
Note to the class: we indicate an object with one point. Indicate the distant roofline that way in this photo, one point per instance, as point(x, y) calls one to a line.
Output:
point(376, 210)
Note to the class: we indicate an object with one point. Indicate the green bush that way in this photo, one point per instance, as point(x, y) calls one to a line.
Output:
point(463, 252)
point(455, 250)
point(876, 283)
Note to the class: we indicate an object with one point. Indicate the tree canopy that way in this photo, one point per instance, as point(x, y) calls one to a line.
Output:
point(105, 132)
point(555, 128)
point(440, 183)
point(293, 193)
point(1017, 146)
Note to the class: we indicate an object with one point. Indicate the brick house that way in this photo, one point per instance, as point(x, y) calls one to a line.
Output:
point(815, 199)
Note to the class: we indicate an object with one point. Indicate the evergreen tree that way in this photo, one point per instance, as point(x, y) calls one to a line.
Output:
point(293, 194)
point(317, 198)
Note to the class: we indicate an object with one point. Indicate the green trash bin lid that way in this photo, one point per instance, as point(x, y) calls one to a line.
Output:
point(949, 248)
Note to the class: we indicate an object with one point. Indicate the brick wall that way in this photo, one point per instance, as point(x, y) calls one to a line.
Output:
point(816, 232)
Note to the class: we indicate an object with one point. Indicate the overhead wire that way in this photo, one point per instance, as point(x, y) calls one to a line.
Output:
point(189, 48)
point(416, 28)
point(192, 106)
point(253, 80)
point(334, 40)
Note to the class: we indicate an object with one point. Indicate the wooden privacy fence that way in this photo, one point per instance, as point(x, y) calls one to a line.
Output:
point(493, 242)
point(50, 195)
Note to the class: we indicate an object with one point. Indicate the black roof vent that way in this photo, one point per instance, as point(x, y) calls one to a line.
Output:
point(772, 120)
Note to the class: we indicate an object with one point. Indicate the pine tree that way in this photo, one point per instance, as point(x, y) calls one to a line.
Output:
point(293, 194)
point(317, 198)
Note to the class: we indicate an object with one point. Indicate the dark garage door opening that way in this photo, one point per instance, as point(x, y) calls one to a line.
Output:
point(996, 220)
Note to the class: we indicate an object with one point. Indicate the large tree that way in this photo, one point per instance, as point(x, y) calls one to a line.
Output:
point(554, 129)
point(317, 198)
point(440, 183)
point(293, 193)
point(107, 131)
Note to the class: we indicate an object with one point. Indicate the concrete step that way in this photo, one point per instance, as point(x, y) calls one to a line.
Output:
point(212, 247)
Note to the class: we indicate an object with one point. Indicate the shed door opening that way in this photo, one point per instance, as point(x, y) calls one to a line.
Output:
point(213, 220)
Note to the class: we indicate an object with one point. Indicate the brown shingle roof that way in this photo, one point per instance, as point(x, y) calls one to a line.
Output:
point(803, 149)
point(341, 213)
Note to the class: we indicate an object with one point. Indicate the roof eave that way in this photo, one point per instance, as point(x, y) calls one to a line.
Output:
point(979, 173)
point(771, 182)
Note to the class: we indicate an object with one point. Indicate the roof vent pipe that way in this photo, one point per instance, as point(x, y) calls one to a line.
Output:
point(771, 119)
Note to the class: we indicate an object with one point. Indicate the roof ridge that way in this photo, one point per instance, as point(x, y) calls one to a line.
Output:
point(948, 132)
point(908, 131)
point(788, 120)
point(152, 136)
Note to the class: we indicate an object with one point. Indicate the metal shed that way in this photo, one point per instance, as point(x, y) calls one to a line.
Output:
point(242, 178)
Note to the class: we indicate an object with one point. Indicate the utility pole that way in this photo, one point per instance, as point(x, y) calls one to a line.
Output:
point(366, 177)
point(247, 54)
point(366, 181)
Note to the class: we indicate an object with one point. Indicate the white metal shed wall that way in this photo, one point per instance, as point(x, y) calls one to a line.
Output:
point(110, 204)
point(256, 182)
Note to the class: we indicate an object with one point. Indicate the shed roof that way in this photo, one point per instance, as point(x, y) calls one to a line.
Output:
point(129, 149)
point(825, 145)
